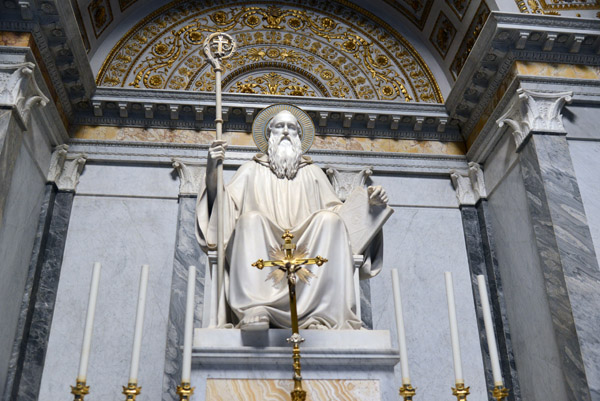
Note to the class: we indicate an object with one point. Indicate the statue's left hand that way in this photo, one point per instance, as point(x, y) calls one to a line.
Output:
point(377, 195)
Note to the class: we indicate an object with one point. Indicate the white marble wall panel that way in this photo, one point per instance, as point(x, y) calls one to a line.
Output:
point(499, 162)
point(586, 162)
point(423, 243)
point(121, 233)
point(582, 121)
point(417, 190)
point(534, 345)
point(128, 180)
point(17, 234)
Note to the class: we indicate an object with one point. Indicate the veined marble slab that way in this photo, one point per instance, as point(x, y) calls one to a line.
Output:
point(279, 390)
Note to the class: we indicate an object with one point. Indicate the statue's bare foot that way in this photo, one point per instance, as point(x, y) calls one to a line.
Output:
point(317, 326)
point(256, 322)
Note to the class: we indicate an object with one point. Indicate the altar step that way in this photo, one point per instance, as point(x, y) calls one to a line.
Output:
point(321, 347)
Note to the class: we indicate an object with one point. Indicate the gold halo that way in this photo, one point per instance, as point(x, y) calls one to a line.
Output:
point(259, 126)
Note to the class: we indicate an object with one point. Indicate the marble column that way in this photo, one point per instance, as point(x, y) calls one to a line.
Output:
point(471, 194)
point(187, 253)
point(562, 237)
point(44, 272)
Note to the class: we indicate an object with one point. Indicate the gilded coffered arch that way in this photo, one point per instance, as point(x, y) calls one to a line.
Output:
point(323, 49)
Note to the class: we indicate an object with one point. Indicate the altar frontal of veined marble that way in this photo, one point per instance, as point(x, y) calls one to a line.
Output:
point(279, 390)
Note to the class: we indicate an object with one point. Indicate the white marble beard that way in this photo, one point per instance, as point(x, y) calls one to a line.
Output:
point(284, 155)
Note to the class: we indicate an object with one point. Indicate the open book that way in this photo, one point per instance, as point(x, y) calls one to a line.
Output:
point(362, 220)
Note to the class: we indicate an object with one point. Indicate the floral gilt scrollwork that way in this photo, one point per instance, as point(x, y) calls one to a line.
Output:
point(324, 50)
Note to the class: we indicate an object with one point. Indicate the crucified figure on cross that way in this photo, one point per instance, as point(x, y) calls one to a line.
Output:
point(292, 266)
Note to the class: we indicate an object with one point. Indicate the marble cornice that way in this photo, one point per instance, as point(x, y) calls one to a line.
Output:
point(337, 117)
point(507, 38)
point(163, 154)
point(54, 29)
point(584, 91)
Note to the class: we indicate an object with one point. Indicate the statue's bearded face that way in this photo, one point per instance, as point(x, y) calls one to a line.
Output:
point(285, 147)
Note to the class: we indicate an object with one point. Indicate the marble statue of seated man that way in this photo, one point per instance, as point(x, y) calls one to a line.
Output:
point(277, 191)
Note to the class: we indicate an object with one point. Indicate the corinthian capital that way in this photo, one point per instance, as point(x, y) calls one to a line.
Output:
point(469, 187)
point(19, 90)
point(65, 169)
point(190, 176)
point(534, 111)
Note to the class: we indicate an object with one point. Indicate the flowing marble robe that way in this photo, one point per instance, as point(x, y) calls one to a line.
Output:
point(258, 208)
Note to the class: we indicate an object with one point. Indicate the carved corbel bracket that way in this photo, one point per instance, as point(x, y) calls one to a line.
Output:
point(344, 180)
point(65, 169)
point(190, 176)
point(19, 90)
point(534, 111)
point(469, 187)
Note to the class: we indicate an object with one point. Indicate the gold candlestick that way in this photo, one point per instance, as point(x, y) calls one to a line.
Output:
point(500, 393)
point(407, 392)
point(131, 391)
point(80, 390)
point(460, 392)
point(185, 391)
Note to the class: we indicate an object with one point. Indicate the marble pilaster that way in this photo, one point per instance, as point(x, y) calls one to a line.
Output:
point(16, 362)
point(19, 94)
point(471, 194)
point(43, 299)
point(567, 258)
point(187, 253)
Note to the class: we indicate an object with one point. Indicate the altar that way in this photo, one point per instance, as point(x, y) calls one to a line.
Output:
point(470, 126)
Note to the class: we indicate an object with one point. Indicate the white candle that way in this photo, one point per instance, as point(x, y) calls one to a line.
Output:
point(89, 324)
point(458, 375)
point(186, 370)
point(400, 327)
point(139, 325)
point(489, 331)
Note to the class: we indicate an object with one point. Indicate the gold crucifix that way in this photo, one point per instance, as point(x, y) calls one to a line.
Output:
point(291, 266)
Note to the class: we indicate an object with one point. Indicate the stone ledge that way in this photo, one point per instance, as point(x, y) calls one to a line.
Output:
point(350, 348)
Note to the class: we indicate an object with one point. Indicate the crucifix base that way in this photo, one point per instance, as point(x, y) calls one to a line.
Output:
point(357, 362)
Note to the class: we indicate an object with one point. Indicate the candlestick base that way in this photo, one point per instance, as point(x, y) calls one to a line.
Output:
point(80, 390)
point(185, 391)
point(407, 392)
point(460, 392)
point(131, 391)
point(298, 395)
point(500, 393)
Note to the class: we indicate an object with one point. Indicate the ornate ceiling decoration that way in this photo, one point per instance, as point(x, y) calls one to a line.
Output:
point(324, 49)
point(557, 7)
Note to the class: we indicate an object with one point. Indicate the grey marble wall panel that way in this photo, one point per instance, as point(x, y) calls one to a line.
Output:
point(586, 162)
point(45, 298)
point(568, 260)
point(15, 365)
point(187, 253)
point(128, 180)
point(122, 234)
point(366, 312)
point(531, 328)
point(423, 243)
point(17, 235)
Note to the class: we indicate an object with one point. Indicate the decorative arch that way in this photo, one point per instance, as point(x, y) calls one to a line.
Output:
point(324, 49)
